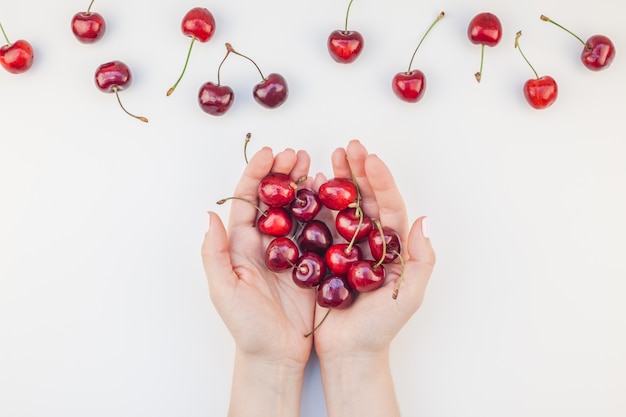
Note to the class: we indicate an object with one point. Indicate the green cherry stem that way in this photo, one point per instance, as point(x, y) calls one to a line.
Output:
point(345, 28)
point(479, 74)
point(172, 88)
point(230, 48)
point(116, 91)
point(439, 17)
point(517, 36)
point(245, 146)
point(259, 209)
point(318, 324)
point(89, 8)
point(547, 19)
point(5, 35)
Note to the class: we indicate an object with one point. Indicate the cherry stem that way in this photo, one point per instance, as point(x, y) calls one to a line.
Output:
point(228, 51)
point(116, 91)
point(382, 235)
point(358, 210)
point(231, 49)
point(547, 19)
point(5, 35)
point(345, 29)
point(224, 200)
point(89, 8)
point(245, 146)
point(394, 295)
point(517, 36)
point(172, 88)
point(318, 324)
point(479, 74)
point(441, 15)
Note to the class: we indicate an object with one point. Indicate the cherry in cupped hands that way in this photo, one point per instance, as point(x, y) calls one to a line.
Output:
point(113, 77)
point(345, 46)
point(485, 29)
point(598, 51)
point(88, 27)
point(540, 92)
point(410, 85)
point(16, 57)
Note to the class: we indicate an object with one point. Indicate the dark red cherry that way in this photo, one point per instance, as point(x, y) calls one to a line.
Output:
point(353, 225)
point(392, 248)
point(335, 292)
point(277, 190)
point(338, 193)
point(215, 99)
point(275, 221)
point(598, 53)
point(272, 91)
point(306, 205)
point(88, 26)
point(340, 256)
point(366, 275)
point(315, 236)
point(309, 270)
point(281, 254)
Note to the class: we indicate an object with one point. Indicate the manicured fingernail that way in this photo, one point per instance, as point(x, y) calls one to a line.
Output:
point(426, 228)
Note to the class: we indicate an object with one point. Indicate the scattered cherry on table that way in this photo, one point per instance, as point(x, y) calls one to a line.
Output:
point(540, 92)
point(88, 27)
point(113, 77)
point(345, 45)
point(485, 29)
point(16, 57)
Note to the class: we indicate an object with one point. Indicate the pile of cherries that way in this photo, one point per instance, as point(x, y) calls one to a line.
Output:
point(338, 265)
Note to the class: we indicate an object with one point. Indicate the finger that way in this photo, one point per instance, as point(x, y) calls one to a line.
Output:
point(341, 168)
point(284, 161)
point(420, 263)
point(302, 165)
point(215, 256)
point(391, 208)
point(241, 212)
point(356, 155)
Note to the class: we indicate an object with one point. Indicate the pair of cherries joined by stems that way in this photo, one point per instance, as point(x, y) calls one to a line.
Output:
point(338, 258)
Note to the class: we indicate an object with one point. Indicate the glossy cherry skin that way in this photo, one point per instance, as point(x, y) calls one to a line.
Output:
point(316, 237)
point(345, 46)
point(349, 225)
point(277, 189)
point(276, 221)
point(337, 193)
point(485, 28)
point(335, 292)
point(393, 247)
point(198, 23)
point(309, 270)
point(17, 57)
point(409, 86)
point(113, 75)
point(281, 254)
point(272, 91)
point(541, 92)
point(340, 256)
point(366, 275)
point(215, 99)
point(598, 53)
point(306, 205)
point(88, 27)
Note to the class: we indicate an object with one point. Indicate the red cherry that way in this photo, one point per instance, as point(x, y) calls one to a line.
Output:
point(281, 254)
point(113, 77)
point(199, 24)
point(353, 225)
point(316, 237)
point(16, 57)
point(598, 52)
point(215, 99)
point(540, 92)
point(272, 91)
point(88, 26)
point(309, 270)
point(366, 275)
point(340, 256)
point(275, 221)
point(484, 29)
point(335, 292)
point(306, 205)
point(338, 193)
point(277, 189)
point(345, 45)
point(411, 85)
point(390, 250)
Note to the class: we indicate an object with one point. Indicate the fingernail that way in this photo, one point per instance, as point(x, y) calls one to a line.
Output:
point(426, 228)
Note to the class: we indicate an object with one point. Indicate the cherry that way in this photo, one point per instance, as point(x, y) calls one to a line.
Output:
point(309, 270)
point(345, 45)
point(306, 205)
point(16, 57)
point(316, 237)
point(540, 92)
point(338, 193)
point(352, 225)
point(598, 52)
point(366, 275)
point(274, 221)
point(484, 29)
point(88, 26)
point(113, 77)
point(335, 292)
point(411, 85)
point(216, 99)
point(277, 189)
point(198, 24)
point(384, 244)
point(271, 91)
point(281, 254)
point(340, 256)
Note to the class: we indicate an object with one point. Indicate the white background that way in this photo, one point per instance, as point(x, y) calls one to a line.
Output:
point(104, 308)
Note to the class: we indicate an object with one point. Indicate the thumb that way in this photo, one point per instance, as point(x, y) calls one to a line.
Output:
point(421, 262)
point(215, 254)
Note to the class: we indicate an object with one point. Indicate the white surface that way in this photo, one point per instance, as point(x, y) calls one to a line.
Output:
point(104, 309)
